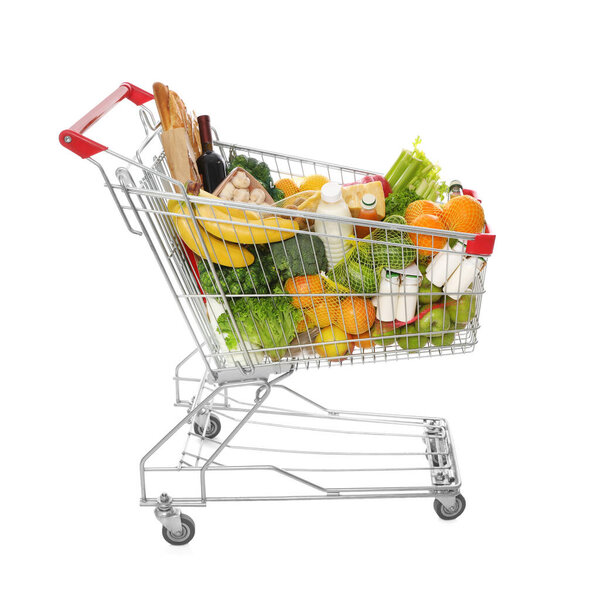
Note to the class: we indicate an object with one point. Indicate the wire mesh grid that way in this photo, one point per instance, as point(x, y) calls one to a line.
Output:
point(224, 264)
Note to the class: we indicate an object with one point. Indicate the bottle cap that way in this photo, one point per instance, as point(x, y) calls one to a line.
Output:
point(369, 201)
point(455, 187)
point(391, 275)
point(331, 192)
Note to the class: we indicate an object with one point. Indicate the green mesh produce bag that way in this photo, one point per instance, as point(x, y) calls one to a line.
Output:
point(360, 270)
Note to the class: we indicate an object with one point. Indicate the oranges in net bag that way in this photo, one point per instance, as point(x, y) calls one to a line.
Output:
point(357, 315)
point(420, 207)
point(305, 286)
point(426, 240)
point(323, 311)
point(464, 214)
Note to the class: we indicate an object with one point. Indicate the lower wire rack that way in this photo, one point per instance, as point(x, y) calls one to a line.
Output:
point(281, 445)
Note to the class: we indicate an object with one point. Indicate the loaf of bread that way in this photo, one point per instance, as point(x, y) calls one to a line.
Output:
point(181, 137)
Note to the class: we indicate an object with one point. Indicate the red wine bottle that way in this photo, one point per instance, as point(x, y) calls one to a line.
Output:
point(210, 165)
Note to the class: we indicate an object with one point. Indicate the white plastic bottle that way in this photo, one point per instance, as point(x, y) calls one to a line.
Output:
point(444, 264)
point(408, 295)
point(388, 296)
point(330, 231)
point(463, 277)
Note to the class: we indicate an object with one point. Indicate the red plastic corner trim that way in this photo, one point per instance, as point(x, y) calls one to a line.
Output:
point(82, 146)
point(137, 95)
point(482, 244)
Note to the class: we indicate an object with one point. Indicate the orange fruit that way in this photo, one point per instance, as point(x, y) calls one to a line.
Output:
point(365, 340)
point(357, 315)
point(323, 312)
point(426, 240)
point(314, 182)
point(304, 285)
point(420, 207)
point(288, 186)
point(306, 323)
point(464, 214)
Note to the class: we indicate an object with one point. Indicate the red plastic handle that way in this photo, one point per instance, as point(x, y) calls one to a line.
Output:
point(482, 244)
point(73, 138)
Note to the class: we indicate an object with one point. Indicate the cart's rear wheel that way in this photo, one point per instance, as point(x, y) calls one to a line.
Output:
point(188, 530)
point(212, 429)
point(450, 513)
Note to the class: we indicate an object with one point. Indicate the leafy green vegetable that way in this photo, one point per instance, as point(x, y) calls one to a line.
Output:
point(258, 278)
point(259, 170)
point(301, 255)
point(414, 171)
point(396, 203)
point(265, 322)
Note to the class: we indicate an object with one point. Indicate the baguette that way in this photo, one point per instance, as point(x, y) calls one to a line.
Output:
point(161, 97)
point(176, 111)
point(179, 140)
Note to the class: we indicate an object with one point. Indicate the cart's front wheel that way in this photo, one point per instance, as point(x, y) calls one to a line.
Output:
point(213, 427)
point(450, 513)
point(188, 530)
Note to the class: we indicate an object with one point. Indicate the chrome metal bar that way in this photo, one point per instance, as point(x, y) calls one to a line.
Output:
point(193, 502)
point(325, 430)
point(260, 398)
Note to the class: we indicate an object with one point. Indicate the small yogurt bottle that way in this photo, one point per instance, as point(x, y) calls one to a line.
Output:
point(385, 303)
point(463, 277)
point(408, 295)
point(444, 264)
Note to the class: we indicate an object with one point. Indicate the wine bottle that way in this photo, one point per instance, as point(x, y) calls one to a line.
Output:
point(210, 165)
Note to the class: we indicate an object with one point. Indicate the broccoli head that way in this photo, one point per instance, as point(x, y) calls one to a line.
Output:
point(300, 255)
point(259, 278)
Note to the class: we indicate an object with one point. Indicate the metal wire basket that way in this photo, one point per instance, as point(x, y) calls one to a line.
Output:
point(221, 258)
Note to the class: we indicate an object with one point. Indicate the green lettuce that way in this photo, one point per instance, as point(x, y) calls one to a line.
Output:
point(266, 322)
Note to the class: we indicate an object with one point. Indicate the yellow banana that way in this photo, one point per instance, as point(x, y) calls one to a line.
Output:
point(237, 213)
point(219, 251)
point(239, 230)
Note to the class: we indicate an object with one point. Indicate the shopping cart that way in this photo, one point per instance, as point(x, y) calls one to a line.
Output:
point(246, 435)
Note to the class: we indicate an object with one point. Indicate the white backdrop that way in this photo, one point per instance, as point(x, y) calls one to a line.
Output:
point(505, 97)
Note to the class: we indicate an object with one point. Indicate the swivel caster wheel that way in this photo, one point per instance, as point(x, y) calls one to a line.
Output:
point(450, 513)
point(188, 530)
point(212, 429)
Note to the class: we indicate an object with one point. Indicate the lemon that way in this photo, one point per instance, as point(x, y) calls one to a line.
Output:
point(339, 339)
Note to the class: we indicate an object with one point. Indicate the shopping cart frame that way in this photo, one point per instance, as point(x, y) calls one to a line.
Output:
point(214, 386)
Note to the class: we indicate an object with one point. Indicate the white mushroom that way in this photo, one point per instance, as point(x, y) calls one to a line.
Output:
point(241, 195)
point(227, 192)
point(240, 180)
point(257, 196)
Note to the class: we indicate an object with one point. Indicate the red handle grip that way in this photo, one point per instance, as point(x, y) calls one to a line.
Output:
point(482, 244)
point(73, 138)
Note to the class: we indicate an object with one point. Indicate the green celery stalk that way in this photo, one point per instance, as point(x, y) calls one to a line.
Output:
point(407, 176)
point(401, 164)
point(395, 165)
point(430, 193)
point(422, 188)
